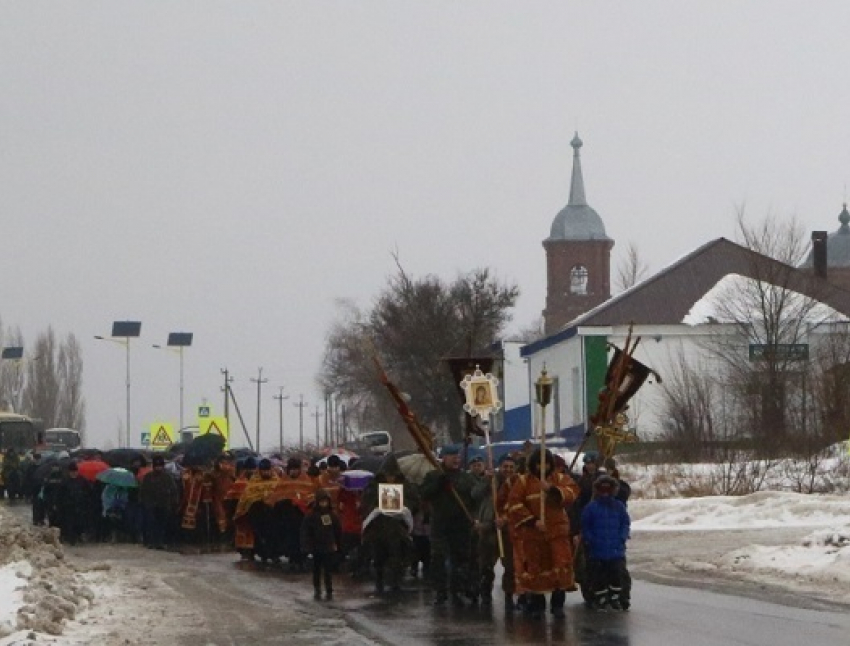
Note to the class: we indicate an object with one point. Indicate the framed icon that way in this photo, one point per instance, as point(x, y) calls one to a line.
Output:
point(390, 498)
point(482, 396)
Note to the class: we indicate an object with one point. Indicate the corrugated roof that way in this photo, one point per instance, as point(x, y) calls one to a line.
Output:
point(666, 297)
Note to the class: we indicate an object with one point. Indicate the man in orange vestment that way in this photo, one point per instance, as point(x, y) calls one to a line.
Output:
point(290, 499)
point(256, 490)
point(543, 556)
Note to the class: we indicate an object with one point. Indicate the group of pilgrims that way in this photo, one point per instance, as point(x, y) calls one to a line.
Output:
point(553, 533)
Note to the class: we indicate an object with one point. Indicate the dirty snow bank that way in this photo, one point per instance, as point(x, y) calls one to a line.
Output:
point(41, 592)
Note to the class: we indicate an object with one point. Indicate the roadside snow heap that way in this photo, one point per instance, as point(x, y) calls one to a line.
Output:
point(39, 590)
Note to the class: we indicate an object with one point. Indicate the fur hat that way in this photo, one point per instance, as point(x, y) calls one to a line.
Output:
point(605, 484)
point(534, 462)
point(293, 463)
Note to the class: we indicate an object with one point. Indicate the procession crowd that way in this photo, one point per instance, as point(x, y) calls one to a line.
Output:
point(553, 534)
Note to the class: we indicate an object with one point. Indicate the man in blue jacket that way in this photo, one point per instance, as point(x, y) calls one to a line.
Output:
point(605, 526)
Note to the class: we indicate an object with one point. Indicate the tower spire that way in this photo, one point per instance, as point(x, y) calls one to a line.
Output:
point(577, 197)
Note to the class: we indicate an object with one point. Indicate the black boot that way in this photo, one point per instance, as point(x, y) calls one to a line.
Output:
point(457, 600)
point(557, 603)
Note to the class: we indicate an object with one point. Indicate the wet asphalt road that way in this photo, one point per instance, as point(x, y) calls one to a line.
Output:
point(660, 616)
point(248, 604)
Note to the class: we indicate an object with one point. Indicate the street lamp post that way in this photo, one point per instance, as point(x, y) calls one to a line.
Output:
point(179, 340)
point(125, 330)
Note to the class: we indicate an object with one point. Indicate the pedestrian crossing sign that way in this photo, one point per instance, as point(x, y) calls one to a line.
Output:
point(217, 426)
point(161, 436)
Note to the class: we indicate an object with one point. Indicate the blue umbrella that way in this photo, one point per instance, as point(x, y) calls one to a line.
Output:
point(118, 477)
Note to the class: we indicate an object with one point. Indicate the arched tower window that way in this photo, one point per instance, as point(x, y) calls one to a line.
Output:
point(578, 280)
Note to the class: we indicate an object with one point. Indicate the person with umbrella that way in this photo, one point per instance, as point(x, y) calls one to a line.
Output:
point(90, 466)
point(159, 498)
point(115, 497)
point(50, 493)
point(73, 502)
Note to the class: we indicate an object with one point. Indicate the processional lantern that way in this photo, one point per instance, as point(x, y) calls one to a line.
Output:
point(543, 388)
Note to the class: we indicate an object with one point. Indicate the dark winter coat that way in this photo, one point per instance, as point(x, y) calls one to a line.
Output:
point(321, 531)
point(159, 491)
point(447, 516)
point(605, 526)
point(74, 498)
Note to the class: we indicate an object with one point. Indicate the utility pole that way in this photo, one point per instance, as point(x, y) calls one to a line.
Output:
point(328, 441)
point(317, 415)
point(259, 381)
point(226, 391)
point(340, 436)
point(300, 405)
point(280, 399)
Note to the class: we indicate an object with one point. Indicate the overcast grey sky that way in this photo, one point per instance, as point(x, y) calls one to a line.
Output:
point(232, 168)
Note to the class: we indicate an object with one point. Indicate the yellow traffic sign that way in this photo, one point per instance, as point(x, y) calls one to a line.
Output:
point(217, 425)
point(162, 436)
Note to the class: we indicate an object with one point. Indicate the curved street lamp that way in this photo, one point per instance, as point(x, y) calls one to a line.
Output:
point(122, 332)
point(176, 342)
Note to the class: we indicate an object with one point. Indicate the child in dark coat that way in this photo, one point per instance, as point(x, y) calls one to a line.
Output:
point(321, 535)
point(605, 527)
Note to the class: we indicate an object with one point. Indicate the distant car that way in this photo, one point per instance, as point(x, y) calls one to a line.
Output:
point(373, 442)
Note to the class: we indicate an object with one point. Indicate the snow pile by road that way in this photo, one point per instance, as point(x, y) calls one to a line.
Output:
point(46, 599)
point(39, 590)
point(817, 561)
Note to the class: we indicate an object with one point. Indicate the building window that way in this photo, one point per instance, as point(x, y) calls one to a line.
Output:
point(578, 280)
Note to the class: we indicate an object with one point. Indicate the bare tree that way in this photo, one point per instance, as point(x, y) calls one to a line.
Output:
point(631, 270)
point(71, 407)
point(41, 391)
point(532, 332)
point(414, 325)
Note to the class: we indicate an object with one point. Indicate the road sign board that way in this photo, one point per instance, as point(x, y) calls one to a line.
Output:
point(217, 425)
point(161, 436)
point(203, 411)
point(780, 351)
point(146, 439)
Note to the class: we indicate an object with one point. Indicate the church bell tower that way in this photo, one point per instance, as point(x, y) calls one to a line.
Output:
point(578, 256)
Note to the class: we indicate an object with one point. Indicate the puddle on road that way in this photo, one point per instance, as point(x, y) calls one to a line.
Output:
point(331, 632)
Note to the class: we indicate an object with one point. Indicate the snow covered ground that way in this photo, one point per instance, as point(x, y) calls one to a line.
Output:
point(817, 561)
point(48, 598)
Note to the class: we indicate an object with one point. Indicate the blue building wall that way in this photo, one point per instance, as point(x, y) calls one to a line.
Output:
point(517, 423)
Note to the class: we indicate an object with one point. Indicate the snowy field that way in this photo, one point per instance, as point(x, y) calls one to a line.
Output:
point(46, 598)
